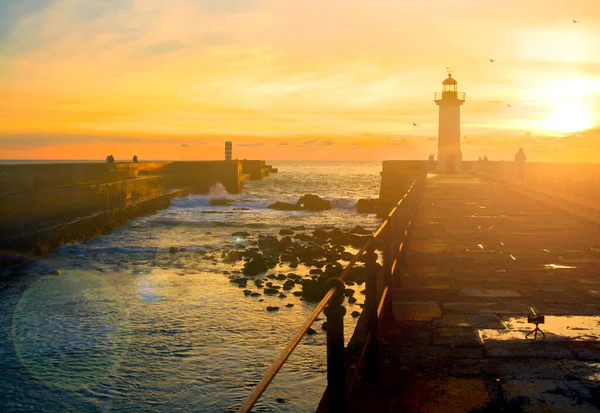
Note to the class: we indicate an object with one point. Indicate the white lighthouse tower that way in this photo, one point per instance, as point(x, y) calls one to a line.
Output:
point(449, 101)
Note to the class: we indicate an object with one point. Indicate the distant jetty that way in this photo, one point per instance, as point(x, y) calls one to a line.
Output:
point(43, 206)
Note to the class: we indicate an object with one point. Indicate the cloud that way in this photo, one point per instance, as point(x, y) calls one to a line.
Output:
point(312, 142)
point(251, 144)
point(184, 145)
point(283, 143)
point(328, 142)
point(160, 49)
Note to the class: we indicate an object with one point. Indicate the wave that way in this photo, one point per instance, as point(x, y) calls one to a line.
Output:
point(204, 224)
point(253, 202)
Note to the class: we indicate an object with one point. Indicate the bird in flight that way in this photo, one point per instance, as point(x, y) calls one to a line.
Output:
point(492, 61)
point(415, 124)
point(575, 21)
point(509, 105)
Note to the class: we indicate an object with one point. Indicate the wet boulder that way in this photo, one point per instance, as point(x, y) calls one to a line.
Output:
point(286, 231)
point(256, 266)
point(283, 206)
point(355, 314)
point(314, 290)
point(271, 291)
point(272, 308)
point(361, 231)
point(312, 202)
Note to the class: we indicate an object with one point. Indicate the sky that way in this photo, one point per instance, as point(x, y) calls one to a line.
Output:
point(296, 79)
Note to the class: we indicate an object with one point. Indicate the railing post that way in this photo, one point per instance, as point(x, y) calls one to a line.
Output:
point(389, 248)
point(336, 371)
point(372, 368)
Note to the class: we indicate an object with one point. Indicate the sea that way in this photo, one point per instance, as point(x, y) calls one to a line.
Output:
point(120, 324)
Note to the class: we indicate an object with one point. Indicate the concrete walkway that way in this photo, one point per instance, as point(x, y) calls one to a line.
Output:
point(481, 256)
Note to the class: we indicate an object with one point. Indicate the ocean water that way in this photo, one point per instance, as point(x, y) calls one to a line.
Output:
point(130, 327)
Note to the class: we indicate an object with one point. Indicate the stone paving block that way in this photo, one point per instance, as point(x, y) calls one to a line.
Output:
point(545, 396)
point(416, 311)
point(448, 395)
point(529, 349)
point(586, 350)
point(456, 337)
point(468, 292)
point(533, 368)
point(507, 307)
point(583, 370)
point(481, 321)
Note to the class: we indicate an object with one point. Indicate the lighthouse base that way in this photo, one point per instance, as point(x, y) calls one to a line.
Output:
point(449, 164)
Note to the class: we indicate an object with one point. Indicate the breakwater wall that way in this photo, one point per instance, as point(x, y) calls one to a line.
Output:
point(396, 178)
point(37, 197)
point(579, 180)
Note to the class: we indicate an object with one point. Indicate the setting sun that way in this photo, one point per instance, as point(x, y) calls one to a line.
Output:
point(568, 116)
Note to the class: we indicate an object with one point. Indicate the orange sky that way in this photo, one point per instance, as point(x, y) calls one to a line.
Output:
point(309, 79)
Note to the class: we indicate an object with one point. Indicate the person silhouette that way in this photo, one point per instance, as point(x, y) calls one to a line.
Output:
point(520, 159)
point(135, 159)
point(485, 159)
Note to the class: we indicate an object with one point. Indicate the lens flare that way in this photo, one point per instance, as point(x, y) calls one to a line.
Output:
point(70, 330)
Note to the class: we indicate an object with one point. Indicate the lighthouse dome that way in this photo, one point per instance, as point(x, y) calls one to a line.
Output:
point(449, 81)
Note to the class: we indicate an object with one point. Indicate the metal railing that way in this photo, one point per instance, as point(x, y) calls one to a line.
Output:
point(394, 247)
point(437, 96)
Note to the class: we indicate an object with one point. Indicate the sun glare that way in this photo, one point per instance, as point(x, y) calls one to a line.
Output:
point(568, 116)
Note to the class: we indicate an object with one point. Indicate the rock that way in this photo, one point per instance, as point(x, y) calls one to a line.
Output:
point(293, 265)
point(286, 232)
point(271, 276)
point(255, 295)
point(361, 231)
point(355, 314)
point(241, 209)
point(221, 202)
point(313, 290)
point(351, 300)
point(299, 228)
point(297, 293)
point(281, 400)
point(311, 202)
point(256, 266)
point(289, 305)
point(247, 292)
point(261, 300)
point(271, 291)
point(367, 206)
point(289, 283)
point(282, 295)
point(281, 277)
point(307, 202)
point(310, 331)
point(240, 234)
point(324, 325)
point(173, 250)
point(283, 206)
point(350, 283)
point(348, 292)
point(272, 308)
point(316, 271)
point(55, 272)
point(232, 257)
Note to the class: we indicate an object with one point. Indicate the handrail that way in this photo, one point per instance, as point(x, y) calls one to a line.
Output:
point(280, 361)
point(270, 374)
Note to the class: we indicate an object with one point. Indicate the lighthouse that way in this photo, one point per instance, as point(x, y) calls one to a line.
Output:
point(449, 101)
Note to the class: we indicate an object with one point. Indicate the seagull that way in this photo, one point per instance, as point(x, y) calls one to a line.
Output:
point(492, 61)
point(575, 21)
point(415, 124)
point(509, 105)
